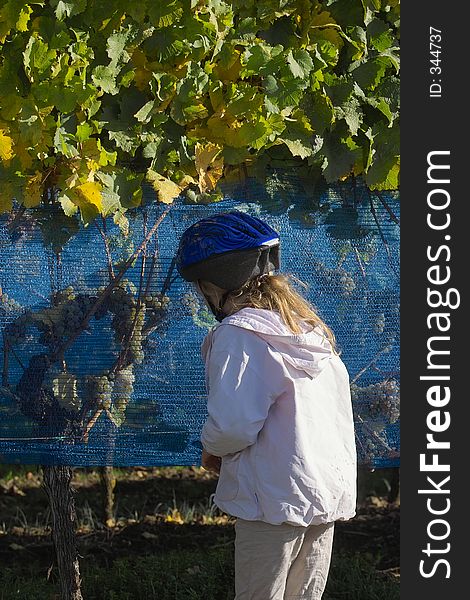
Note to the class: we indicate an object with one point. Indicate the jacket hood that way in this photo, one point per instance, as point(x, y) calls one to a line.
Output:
point(308, 351)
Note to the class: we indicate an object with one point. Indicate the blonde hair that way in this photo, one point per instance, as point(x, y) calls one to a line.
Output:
point(277, 293)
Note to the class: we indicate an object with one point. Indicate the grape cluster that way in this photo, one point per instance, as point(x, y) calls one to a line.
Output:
point(63, 296)
point(127, 322)
point(386, 401)
point(85, 302)
point(135, 353)
point(380, 400)
point(370, 447)
point(346, 282)
point(98, 391)
point(379, 324)
point(338, 277)
point(156, 302)
point(8, 305)
point(156, 308)
point(191, 302)
point(72, 319)
point(63, 320)
point(64, 387)
point(123, 388)
point(121, 303)
point(34, 400)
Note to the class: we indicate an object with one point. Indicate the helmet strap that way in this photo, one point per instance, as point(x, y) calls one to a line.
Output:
point(217, 310)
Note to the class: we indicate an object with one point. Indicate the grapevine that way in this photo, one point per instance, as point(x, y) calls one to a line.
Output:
point(375, 406)
point(378, 401)
point(187, 93)
point(60, 404)
point(337, 279)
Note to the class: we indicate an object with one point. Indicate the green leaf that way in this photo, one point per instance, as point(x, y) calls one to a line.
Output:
point(118, 44)
point(300, 63)
point(383, 106)
point(68, 206)
point(380, 35)
point(390, 57)
point(68, 8)
point(319, 110)
point(167, 43)
point(144, 114)
point(104, 77)
point(298, 136)
point(283, 94)
point(234, 156)
point(254, 134)
point(389, 89)
point(84, 131)
point(340, 158)
point(369, 74)
point(110, 199)
point(297, 146)
point(122, 222)
point(37, 59)
point(165, 12)
point(126, 140)
point(66, 99)
point(384, 171)
point(339, 89)
point(351, 112)
point(128, 187)
point(384, 174)
point(245, 99)
point(64, 143)
point(262, 60)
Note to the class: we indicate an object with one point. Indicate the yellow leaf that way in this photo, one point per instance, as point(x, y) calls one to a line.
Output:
point(185, 181)
point(6, 145)
point(325, 27)
point(90, 192)
point(24, 16)
point(33, 190)
point(225, 128)
point(166, 189)
point(230, 72)
point(209, 165)
point(87, 196)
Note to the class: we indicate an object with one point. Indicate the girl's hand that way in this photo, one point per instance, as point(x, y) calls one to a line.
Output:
point(210, 462)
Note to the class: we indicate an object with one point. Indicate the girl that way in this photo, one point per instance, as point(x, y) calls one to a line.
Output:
point(280, 425)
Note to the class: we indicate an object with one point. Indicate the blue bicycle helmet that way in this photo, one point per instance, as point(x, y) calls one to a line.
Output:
point(228, 250)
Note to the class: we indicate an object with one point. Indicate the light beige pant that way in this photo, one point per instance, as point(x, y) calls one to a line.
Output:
point(281, 562)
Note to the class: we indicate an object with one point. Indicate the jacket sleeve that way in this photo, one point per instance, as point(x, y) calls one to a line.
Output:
point(238, 401)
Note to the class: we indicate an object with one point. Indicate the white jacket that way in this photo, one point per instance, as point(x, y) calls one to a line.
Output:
point(280, 417)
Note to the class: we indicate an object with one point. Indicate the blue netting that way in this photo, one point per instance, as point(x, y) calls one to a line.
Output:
point(344, 243)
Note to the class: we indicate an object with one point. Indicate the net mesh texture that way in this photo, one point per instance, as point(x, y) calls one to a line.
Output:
point(111, 395)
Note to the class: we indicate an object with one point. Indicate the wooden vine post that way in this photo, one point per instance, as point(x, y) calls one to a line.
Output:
point(57, 484)
point(57, 479)
point(108, 483)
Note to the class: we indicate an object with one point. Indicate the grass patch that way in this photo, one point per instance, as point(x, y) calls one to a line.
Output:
point(187, 575)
